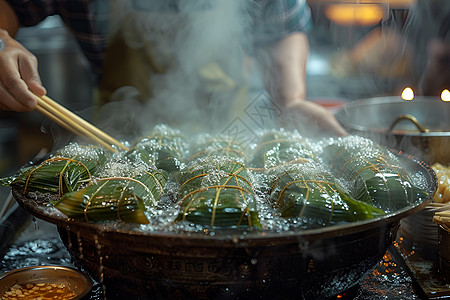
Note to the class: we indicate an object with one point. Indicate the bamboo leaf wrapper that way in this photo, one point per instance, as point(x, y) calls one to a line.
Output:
point(164, 147)
point(375, 175)
point(306, 191)
point(217, 193)
point(107, 200)
point(278, 148)
point(115, 198)
point(64, 172)
point(226, 146)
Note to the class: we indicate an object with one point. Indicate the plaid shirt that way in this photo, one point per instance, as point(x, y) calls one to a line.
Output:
point(88, 20)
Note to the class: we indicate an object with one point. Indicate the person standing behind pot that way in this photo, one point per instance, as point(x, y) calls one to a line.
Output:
point(279, 28)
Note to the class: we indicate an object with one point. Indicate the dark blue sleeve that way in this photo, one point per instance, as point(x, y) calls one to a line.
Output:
point(31, 12)
point(275, 19)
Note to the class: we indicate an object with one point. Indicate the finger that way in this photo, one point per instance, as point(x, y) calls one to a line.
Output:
point(331, 124)
point(17, 88)
point(9, 102)
point(317, 118)
point(4, 107)
point(28, 69)
point(337, 129)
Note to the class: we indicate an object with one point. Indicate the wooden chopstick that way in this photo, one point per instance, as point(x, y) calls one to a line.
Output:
point(101, 134)
point(71, 125)
point(70, 121)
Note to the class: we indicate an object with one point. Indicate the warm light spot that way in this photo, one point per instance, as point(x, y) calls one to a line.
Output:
point(400, 3)
point(355, 14)
point(408, 94)
point(445, 95)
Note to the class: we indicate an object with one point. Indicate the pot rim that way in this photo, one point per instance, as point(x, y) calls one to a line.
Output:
point(388, 100)
point(82, 283)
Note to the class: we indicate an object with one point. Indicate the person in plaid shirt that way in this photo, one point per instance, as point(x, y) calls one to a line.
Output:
point(279, 29)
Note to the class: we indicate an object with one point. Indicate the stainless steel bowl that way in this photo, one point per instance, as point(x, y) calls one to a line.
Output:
point(73, 279)
point(425, 133)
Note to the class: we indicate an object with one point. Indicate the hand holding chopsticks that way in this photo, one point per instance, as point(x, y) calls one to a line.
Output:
point(70, 121)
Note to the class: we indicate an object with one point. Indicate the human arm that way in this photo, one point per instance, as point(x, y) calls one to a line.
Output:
point(281, 44)
point(284, 73)
point(19, 77)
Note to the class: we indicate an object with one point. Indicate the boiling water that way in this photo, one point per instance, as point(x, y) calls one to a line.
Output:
point(162, 217)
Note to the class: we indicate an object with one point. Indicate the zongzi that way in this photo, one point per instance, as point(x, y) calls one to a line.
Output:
point(227, 146)
point(276, 148)
point(121, 197)
point(374, 174)
point(61, 173)
point(217, 192)
point(308, 192)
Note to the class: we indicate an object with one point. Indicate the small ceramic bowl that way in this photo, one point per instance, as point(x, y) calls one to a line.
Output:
point(73, 279)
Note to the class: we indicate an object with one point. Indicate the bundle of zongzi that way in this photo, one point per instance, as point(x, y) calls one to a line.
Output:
point(375, 174)
point(219, 146)
point(217, 192)
point(64, 172)
point(165, 148)
point(117, 197)
point(277, 148)
point(307, 192)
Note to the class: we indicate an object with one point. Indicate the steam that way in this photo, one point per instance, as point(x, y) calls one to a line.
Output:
point(198, 74)
point(195, 60)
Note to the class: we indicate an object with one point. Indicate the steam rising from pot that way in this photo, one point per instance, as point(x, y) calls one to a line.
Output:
point(187, 58)
point(200, 45)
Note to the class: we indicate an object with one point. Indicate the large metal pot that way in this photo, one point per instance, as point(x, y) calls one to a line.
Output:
point(420, 127)
point(303, 264)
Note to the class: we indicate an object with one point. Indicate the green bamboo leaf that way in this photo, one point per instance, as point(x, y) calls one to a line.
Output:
point(102, 201)
point(277, 148)
point(220, 145)
point(93, 157)
point(147, 182)
point(63, 172)
point(376, 176)
point(165, 147)
point(123, 191)
point(306, 191)
point(217, 192)
point(220, 207)
point(57, 175)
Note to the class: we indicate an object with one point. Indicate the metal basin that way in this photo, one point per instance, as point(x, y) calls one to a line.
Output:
point(305, 264)
point(74, 280)
point(425, 133)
